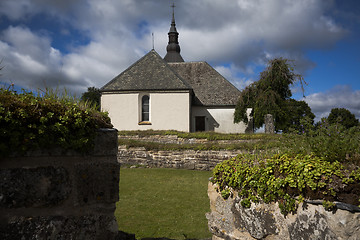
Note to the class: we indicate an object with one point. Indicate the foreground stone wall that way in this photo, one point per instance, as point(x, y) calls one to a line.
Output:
point(185, 159)
point(229, 220)
point(58, 194)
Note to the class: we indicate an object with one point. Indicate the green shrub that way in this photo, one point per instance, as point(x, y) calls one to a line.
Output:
point(284, 178)
point(29, 122)
point(332, 142)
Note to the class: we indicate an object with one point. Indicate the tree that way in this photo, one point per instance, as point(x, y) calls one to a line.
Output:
point(271, 95)
point(342, 116)
point(92, 96)
point(295, 111)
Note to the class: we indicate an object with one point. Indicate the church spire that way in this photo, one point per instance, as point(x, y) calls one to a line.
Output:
point(173, 47)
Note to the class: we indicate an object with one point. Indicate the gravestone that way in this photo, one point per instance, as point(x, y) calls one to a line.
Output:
point(269, 124)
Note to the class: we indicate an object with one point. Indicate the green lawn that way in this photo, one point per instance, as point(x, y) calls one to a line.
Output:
point(163, 203)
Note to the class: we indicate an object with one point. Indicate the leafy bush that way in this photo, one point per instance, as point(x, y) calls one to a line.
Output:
point(332, 142)
point(284, 178)
point(29, 122)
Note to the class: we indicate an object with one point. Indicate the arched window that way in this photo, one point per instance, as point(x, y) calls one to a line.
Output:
point(145, 108)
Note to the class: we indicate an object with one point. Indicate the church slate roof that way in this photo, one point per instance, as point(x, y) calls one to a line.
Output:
point(150, 72)
point(209, 86)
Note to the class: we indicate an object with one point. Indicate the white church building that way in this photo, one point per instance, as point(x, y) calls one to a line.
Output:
point(170, 94)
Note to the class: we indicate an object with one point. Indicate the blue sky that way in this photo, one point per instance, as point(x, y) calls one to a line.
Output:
point(75, 44)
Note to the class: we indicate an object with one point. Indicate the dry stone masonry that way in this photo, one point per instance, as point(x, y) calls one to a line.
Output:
point(229, 220)
point(185, 159)
point(180, 159)
point(59, 194)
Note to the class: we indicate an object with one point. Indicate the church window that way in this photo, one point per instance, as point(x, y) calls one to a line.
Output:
point(145, 108)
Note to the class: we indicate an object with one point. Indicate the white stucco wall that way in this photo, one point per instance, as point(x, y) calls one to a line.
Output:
point(168, 111)
point(218, 119)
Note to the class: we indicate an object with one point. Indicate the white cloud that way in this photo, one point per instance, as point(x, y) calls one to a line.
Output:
point(28, 59)
point(338, 97)
point(244, 33)
point(232, 74)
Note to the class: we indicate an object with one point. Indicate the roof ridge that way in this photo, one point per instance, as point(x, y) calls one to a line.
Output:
point(223, 76)
point(175, 80)
point(187, 62)
point(127, 69)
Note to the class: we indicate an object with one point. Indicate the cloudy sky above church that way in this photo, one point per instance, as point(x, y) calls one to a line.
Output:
point(81, 43)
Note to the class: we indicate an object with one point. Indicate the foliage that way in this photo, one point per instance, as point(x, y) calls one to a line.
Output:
point(271, 95)
point(342, 116)
point(210, 136)
point(92, 97)
point(247, 145)
point(163, 203)
point(332, 142)
point(29, 122)
point(284, 178)
point(296, 112)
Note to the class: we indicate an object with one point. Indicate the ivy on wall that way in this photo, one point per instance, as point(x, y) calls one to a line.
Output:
point(30, 122)
point(287, 180)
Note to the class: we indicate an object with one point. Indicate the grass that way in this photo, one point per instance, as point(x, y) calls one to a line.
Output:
point(248, 146)
point(209, 135)
point(248, 142)
point(163, 203)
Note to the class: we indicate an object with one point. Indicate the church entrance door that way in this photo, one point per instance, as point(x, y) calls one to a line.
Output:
point(199, 123)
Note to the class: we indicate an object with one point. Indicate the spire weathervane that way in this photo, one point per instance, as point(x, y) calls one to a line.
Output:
point(153, 41)
point(173, 7)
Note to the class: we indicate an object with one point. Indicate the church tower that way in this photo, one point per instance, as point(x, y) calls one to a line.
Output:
point(173, 47)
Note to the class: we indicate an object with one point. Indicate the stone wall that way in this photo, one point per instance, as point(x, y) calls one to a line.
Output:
point(58, 194)
point(229, 220)
point(185, 159)
point(174, 139)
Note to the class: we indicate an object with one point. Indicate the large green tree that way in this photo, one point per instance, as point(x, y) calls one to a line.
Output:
point(342, 116)
point(271, 94)
point(295, 111)
point(92, 96)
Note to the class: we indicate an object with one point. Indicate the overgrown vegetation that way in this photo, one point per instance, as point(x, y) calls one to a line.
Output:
point(92, 97)
point(317, 163)
point(332, 142)
point(30, 121)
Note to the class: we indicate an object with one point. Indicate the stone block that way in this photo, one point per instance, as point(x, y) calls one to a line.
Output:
point(97, 182)
point(229, 220)
point(106, 142)
point(34, 187)
point(92, 227)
